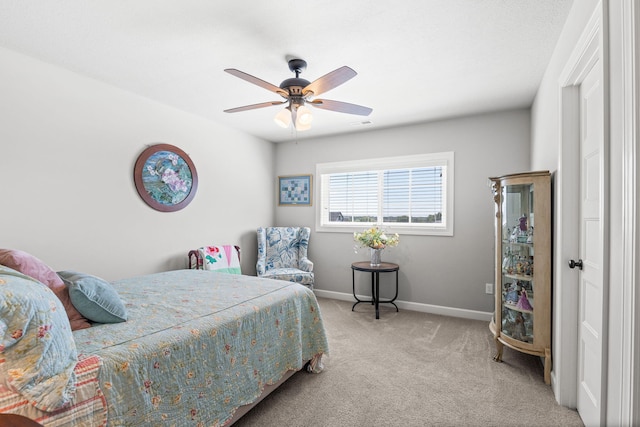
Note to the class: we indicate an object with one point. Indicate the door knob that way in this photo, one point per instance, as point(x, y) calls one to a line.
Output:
point(574, 264)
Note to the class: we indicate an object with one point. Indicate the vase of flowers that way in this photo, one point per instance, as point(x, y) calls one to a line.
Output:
point(376, 257)
point(376, 239)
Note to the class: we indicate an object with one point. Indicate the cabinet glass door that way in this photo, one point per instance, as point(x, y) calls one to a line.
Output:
point(517, 282)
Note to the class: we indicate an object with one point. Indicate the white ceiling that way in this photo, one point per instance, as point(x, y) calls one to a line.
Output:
point(417, 60)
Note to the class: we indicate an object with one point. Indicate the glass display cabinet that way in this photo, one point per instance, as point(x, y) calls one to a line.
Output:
point(522, 316)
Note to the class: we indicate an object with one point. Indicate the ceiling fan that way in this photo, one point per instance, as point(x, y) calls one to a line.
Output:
point(297, 92)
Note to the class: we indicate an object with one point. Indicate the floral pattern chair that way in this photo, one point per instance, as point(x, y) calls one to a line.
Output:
point(282, 254)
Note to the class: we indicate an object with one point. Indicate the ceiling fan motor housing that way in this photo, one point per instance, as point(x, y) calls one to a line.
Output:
point(294, 85)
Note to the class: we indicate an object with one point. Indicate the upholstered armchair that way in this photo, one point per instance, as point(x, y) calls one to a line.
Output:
point(282, 254)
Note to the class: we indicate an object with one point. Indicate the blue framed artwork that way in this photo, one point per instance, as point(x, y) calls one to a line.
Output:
point(294, 190)
point(165, 177)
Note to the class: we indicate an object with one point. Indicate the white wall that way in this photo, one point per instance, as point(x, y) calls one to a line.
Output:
point(68, 145)
point(440, 271)
point(545, 112)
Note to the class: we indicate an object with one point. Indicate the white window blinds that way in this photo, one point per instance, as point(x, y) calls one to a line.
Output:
point(412, 194)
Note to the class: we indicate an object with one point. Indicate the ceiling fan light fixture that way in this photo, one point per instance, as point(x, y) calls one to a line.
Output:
point(283, 118)
point(301, 127)
point(303, 116)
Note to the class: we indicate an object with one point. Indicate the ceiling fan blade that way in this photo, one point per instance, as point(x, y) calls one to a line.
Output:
point(341, 107)
point(254, 106)
point(329, 81)
point(257, 81)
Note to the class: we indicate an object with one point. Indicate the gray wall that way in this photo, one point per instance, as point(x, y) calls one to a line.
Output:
point(68, 145)
point(434, 271)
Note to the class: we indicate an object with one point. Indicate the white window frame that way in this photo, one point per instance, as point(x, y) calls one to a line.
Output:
point(444, 159)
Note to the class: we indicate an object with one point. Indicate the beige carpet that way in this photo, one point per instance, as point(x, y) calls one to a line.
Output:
point(412, 369)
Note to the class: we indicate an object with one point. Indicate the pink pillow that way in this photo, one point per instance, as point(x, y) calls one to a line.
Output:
point(31, 266)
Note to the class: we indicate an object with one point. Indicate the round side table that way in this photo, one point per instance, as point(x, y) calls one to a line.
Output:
point(384, 267)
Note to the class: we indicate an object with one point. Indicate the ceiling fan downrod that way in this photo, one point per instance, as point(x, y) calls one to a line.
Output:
point(297, 66)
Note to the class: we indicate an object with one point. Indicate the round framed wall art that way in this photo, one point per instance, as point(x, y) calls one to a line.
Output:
point(165, 177)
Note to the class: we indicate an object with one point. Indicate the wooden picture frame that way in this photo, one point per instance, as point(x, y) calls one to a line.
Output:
point(295, 190)
point(165, 177)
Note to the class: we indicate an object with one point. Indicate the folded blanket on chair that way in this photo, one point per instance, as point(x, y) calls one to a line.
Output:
point(223, 259)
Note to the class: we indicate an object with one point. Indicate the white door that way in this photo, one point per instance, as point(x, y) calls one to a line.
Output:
point(591, 369)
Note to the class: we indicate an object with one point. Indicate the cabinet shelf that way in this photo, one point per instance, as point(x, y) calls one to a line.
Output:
point(514, 308)
point(523, 204)
point(525, 339)
point(521, 244)
point(524, 277)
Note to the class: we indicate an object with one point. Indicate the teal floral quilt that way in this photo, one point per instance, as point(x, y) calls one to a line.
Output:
point(198, 344)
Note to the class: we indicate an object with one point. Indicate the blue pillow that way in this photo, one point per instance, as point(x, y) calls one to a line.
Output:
point(36, 342)
point(95, 298)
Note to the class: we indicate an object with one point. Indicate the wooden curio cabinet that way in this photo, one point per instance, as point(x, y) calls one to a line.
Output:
point(522, 315)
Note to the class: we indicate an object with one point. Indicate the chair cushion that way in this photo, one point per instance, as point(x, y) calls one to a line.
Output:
point(283, 247)
point(290, 275)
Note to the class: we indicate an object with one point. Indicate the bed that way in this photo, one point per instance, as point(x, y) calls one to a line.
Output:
point(197, 348)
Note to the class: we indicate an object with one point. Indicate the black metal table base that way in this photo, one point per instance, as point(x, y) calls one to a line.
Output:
point(385, 267)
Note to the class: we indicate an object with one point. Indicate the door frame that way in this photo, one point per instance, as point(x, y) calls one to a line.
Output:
point(621, 34)
point(588, 51)
point(624, 366)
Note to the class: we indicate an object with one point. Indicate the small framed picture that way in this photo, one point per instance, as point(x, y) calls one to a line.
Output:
point(295, 190)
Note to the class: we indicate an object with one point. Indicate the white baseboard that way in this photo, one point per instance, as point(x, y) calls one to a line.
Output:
point(414, 306)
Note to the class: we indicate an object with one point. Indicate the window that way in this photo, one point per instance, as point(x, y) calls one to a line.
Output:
point(409, 194)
